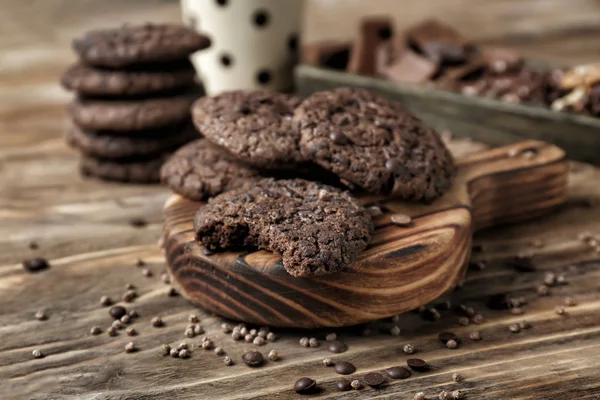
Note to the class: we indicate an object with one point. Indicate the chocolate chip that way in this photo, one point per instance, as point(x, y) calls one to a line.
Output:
point(401, 219)
point(139, 262)
point(338, 138)
point(253, 358)
point(157, 322)
point(40, 315)
point(498, 302)
point(117, 312)
point(393, 166)
point(336, 346)
point(445, 336)
point(36, 264)
point(33, 245)
point(344, 368)
point(37, 353)
point(397, 372)
point(304, 385)
point(138, 222)
point(343, 385)
point(416, 364)
point(374, 379)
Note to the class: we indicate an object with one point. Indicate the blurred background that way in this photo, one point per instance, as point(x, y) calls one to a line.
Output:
point(563, 32)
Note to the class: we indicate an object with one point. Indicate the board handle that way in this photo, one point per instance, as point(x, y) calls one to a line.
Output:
point(514, 183)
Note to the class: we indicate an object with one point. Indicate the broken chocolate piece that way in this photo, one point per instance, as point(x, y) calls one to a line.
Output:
point(373, 31)
point(438, 42)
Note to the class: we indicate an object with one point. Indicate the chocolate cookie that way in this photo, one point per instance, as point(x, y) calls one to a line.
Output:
point(92, 81)
point(135, 170)
point(200, 170)
point(374, 143)
point(131, 114)
point(254, 126)
point(315, 228)
point(101, 145)
point(140, 44)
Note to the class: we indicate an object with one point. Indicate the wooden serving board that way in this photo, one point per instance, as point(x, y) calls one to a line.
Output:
point(403, 267)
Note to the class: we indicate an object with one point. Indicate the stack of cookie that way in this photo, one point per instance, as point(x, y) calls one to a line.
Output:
point(134, 86)
point(253, 139)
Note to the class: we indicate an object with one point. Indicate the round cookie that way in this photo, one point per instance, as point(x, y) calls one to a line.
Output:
point(200, 170)
point(315, 228)
point(254, 126)
point(374, 143)
point(90, 81)
point(135, 170)
point(115, 147)
point(139, 44)
point(131, 114)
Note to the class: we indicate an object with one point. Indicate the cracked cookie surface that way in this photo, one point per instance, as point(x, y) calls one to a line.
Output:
point(200, 170)
point(315, 228)
point(254, 126)
point(374, 143)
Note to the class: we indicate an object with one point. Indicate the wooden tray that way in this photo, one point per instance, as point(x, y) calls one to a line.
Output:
point(402, 269)
point(486, 120)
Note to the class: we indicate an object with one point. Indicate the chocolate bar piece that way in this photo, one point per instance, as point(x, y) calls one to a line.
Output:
point(373, 31)
point(328, 54)
point(388, 52)
point(438, 42)
point(409, 67)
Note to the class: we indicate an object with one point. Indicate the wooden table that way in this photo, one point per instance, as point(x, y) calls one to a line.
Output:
point(83, 228)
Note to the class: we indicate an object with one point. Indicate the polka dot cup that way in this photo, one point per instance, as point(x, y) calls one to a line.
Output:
point(254, 43)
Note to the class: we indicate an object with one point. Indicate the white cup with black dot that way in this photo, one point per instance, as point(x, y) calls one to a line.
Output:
point(254, 43)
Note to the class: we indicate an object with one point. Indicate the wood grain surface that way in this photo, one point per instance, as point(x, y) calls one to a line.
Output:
point(402, 269)
point(82, 227)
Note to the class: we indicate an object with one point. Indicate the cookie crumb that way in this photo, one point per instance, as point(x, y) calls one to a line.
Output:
point(560, 310)
point(456, 377)
point(184, 353)
point(271, 337)
point(273, 356)
point(37, 353)
point(166, 349)
point(95, 330)
point(514, 328)
point(569, 301)
point(475, 336)
point(219, 351)
point(356, 384)
point(157, 322)
point(40, 315)
point(130, 347)
point(328, 362)
point(395, 331)
point(543, 290)
point(304, 342)
point(313, 342)
point(419, 396)
point(138, 222)
point(227, 360)
point(452, 344)
point(105, 301)
point(330, 337)
point(408, 349)
point(457, 394)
